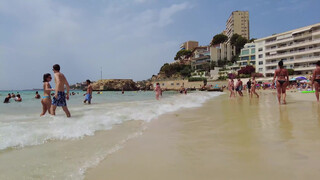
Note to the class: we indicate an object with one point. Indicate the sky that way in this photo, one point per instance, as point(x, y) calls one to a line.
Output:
point(128, 39)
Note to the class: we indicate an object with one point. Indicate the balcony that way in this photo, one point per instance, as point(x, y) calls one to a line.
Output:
point(317, 32)
point(295, 45)
point(304, 68)
point(292, 61)
point(293, 53)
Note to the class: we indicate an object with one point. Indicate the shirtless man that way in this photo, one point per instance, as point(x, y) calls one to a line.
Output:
point(316, 80)
point(60, 96)
point(239, 87)
point(282, 82)
point(231, 88)
point(89, 92)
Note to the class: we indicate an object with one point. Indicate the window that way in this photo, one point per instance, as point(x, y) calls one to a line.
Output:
point(162, 84)
point(260, 49)
point(253, 57)
point(172, 84)
point(260, 55)
point(253, 51)
point(260, 62)
point(245, 52)
point(260, 69)
point(178, 84)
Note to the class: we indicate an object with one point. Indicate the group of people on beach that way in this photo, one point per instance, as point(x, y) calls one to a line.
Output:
point(239, 87)
point(280, 82)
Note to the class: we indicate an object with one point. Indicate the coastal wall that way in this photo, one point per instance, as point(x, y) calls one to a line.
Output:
point(176, 84)
point(114, 85)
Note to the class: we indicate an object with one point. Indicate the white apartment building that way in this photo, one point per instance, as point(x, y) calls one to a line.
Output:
point(247, 55)
point(299, 49)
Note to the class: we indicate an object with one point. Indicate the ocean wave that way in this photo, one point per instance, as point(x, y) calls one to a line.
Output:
point(86, 120)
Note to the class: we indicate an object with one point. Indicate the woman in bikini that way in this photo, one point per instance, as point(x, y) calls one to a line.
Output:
point(282, 82)
point(316, 79)
point(46, 98)
point(158, 91)
point(253, 87)
point(231, 88)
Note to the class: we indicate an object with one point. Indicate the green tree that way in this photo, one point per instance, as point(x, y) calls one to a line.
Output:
point(183, 54)
point(234, 38)
point(238, 41)
point(219, 38)
point(213, 64)
point(252, 40)
point(206, 66)
point(186, 71)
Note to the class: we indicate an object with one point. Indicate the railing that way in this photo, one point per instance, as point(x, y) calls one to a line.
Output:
point(293, 44)
point(292, 52)
point(303, 35)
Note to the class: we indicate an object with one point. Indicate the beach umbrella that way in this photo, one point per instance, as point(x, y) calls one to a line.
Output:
point(301, 78)
point(293, 79)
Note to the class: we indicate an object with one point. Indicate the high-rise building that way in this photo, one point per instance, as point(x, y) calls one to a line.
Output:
point(238, 23)
point(189, 45)
point(299, 49)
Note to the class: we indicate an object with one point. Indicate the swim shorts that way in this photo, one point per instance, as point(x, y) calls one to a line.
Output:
point(88, 97)
point(60, 100)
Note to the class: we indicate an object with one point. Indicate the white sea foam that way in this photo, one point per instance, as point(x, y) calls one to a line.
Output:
point(86, 120)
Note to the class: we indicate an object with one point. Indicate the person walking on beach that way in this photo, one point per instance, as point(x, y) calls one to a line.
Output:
point(253, 87)
point(46, 98)
point(282, 77)
point(231, 88)
point(157, 90)
point(249, 86)
point(239, 87)
point(60, 96)
point(89, 92)
point(316, 79)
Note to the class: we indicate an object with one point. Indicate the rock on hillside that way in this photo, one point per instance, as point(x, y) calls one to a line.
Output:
point(114, 85)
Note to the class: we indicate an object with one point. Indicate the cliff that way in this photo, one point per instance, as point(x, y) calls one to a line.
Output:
point(114, 85)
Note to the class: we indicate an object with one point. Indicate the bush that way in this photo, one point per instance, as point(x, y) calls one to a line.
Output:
point(257, 75)
point(247, 70)
point(222, 78)
point(290, 72)
point(244, 75)
point(192, 79)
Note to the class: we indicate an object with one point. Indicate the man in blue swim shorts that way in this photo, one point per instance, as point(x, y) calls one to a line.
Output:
point(60, 96)
point(88, 95)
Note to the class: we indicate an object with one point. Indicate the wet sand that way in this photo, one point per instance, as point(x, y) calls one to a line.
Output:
point(240, 138)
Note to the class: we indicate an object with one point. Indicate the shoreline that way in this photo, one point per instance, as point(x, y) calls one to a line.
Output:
point(240, 138)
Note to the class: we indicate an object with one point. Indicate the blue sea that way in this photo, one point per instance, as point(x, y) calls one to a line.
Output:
point(23, 133)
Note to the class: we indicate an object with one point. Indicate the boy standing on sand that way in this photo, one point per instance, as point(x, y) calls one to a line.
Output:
point(60, 96)
point(89, 92)
point(239, 87)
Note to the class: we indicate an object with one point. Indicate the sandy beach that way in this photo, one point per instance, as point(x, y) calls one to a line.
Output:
point(240, 138)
